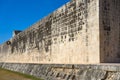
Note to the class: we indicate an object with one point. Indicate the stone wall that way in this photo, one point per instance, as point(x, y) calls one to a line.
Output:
point(110, 30)
point(81, 31)
point(67, 72)
point(68, 35)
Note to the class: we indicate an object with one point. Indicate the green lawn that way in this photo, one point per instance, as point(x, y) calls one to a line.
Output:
point(10, 75)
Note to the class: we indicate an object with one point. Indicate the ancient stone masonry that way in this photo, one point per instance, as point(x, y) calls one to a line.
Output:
point(67, 72)
point(81, 31)
point(110, 30)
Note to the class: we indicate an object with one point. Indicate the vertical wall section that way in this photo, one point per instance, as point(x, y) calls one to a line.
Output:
point(68, 35)
point(110, 30)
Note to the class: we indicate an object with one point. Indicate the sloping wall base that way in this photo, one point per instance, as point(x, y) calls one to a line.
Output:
point(67, 72)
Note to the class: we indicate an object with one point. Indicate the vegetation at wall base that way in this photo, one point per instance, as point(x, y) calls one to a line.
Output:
point(20, 74)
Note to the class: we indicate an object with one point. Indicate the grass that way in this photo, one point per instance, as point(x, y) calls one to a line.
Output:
point(11, 75)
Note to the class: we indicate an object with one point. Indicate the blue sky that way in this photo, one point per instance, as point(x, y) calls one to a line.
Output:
point(20, 14)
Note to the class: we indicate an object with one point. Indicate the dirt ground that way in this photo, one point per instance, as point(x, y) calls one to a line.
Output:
point(7, 75)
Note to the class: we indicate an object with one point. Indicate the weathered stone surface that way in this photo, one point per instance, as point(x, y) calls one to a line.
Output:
point(69, 35)
point(109, 20)
point(81, 31)
point(65, 72)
